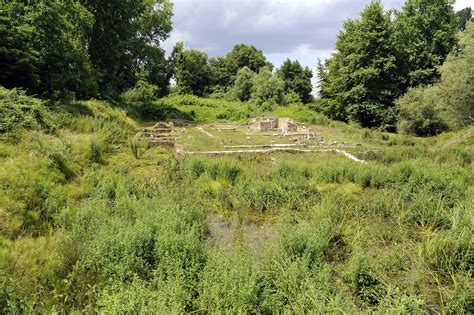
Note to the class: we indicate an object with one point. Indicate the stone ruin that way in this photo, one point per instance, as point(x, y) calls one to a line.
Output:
point(160, 134)
point(284, 125)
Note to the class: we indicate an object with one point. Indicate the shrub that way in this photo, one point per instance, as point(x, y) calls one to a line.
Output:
point(138, 146)
point(10, 301)
point(229, 283)
point(96, 152)
point(419, 112)
point(366, 285)
point(142, 92)
point(20, 111)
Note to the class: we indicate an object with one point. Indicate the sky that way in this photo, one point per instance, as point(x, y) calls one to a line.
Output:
point(304, 30)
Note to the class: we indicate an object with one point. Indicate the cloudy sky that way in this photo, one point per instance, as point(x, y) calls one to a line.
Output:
point(297, 29)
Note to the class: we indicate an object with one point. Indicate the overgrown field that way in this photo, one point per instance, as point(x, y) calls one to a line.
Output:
point(93, 221)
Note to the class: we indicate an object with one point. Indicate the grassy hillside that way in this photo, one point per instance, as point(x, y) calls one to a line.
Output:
point(86, 226)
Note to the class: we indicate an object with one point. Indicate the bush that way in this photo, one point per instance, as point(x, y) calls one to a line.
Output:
point(96, 152)
point(10, 301)
point(141, 93)
point(138, 146)
point(194, 108)
point(19, 111)
point(365, 284)
point(419, 112)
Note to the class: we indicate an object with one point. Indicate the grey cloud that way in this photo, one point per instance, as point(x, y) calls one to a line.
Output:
point(275, 26)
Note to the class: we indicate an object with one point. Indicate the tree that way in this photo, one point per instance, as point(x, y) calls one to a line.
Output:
point(193, 74)
point(243, 85)
point(425, 34)
point(156, 69)
point(224, 69)
point(297, 79)
point(221, 77)
point(18, 59)
point(268, 89)
point(246, 56)
point(462, 17)
point(429, 110)
point(44, 50)
point(362, 79)
point(61, 29)
point(420, 113)
point(121, 37)
point(457, 81)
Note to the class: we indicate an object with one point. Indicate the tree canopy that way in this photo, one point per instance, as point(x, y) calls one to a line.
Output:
point(363, 77)
point(297, 79)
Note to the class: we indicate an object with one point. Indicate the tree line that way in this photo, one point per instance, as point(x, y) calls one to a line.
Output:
point(93, 48)
point(111, 49)
point(383, 54)
point(89, 48)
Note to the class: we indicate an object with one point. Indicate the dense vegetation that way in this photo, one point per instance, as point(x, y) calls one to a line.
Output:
point(381, 55)
point(85, 225)
point(92, 219)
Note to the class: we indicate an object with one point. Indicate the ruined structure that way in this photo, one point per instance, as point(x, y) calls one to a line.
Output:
point(283, 125)
point(160, 134)
point(264, 124)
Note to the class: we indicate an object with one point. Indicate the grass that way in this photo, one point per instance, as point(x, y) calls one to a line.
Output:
point(91, 221)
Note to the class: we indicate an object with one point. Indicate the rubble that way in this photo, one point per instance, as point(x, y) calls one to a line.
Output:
point(161, 134)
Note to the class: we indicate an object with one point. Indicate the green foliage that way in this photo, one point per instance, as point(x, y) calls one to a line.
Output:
point(79, 46)
point(420, 113)
point(427, 111)
point(18, 59)
point(55, 61)
point(297, 79)
point(19, 111)
point(364, 282)
point(457, 77)
point(10, 302)
point(96, 152)
point(192, 71)
point(224, 70)
point(243, 84)
point(190, 107)
point(425, 33)
point(124, 41)
point(141, 93)
point(268, 89)
point(138, 147)
point(363, 76)
point(246, 56)
point(463, 17)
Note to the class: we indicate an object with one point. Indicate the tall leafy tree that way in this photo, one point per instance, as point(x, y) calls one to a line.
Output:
point(243, 85)
point(268, 89)
point(425, 34)
point(126, 32)
point(457, 81)
point(18, 59)
point(246, 56)
point(297, 79)
point(221, 77)
point(156, 69)
point(224, 69)
point(362, 77)
point(45, 43)
point(429, 110)
point(193, 74)
point(463, 16)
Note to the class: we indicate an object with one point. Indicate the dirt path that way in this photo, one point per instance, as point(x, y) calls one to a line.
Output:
point(268, 151)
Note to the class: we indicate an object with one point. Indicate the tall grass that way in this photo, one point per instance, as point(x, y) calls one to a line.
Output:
point(88, 223)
